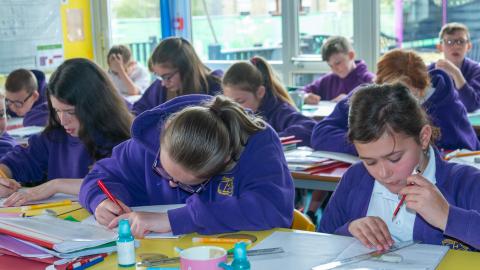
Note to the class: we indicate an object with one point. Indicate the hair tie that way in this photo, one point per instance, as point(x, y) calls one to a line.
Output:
point(214, 110)
point(253, 60)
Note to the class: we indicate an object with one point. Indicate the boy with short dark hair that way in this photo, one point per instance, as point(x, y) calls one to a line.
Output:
point(25, 96)
point(454, 43)
point(347, 73)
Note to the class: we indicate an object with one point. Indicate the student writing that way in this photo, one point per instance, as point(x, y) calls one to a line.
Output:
point(394, 138)
point(254, 86)
point(347, 73)
point(226, 165)
point(87, 119)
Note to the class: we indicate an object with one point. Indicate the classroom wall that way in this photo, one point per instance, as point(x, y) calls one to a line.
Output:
point(82, 48)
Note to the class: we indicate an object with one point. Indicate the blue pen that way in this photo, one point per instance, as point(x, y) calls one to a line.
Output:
point(88, 264)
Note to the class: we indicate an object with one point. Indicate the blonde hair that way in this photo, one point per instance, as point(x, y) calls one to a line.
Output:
point(209, 139)
point(249, 76)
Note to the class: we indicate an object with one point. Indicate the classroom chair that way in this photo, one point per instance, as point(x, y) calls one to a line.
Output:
point(301, 222)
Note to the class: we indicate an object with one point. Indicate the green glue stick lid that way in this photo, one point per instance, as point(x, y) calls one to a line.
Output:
point(124, 233)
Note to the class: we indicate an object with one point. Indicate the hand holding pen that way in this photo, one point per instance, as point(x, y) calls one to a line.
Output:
point(110, 208)
point(7, 185)
point(424, 198)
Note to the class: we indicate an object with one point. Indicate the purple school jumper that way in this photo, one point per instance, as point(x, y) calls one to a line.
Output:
point(470, 92)
point(285, 119)
point(49, 156)
point(257, 194)
point(38, 114)
point(330, 86)
point(156, 93)
point(459, 184)
point(444, 108)
point(6, 143)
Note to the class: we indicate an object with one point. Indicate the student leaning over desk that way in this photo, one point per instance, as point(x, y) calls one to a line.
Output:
point(179, 71)
point(435, 91)
point(454, 44)
point(394, 139)
point(254, 86)
point(226, 165)
point(88, 117)
point(25, 96)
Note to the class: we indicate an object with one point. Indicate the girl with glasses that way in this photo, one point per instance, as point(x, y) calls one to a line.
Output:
point(179, 71)
point(226, 165)
point(87, 118)
point(394, 138)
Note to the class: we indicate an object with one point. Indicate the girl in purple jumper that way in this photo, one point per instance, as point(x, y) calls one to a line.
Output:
point(254, 86)
point(87, 119)
point(179, 71)
point(394, 139)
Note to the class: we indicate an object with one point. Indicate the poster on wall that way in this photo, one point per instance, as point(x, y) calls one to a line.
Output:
point(31, 35)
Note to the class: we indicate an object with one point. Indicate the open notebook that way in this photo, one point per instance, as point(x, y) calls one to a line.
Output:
point(56, 234)
point(150, 208)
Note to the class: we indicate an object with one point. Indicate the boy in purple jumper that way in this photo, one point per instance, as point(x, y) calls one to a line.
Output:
point(87, 119)
point(179, 71)
point(225, 164)
point(25, 96)
point(440, 101)
point(347, 73)
point(254, 86)
point(394, 140)
point(465, 73)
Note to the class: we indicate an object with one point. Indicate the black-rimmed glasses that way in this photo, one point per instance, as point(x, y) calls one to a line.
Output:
point(17, 103)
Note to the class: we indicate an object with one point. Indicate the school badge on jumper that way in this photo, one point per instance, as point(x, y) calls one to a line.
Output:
point(226, 186)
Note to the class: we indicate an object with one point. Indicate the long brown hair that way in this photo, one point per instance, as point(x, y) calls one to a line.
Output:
point(249, 76)
point(209, 139)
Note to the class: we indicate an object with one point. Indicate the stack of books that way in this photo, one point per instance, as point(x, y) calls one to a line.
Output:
point(289, 143)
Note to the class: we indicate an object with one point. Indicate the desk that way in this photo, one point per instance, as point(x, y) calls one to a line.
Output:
point(454, 259)
point(319, 111)
point(316, 182)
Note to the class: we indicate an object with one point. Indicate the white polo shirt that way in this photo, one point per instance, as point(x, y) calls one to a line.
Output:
point(383, 203)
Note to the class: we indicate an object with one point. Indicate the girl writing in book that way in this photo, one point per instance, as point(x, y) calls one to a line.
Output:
point(88, 117)
point(179, 71)
point(394, 139)
point(226, 165)
point(434, 90)
point(254, 85)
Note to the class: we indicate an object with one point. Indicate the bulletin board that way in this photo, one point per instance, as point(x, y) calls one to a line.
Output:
point(30, 35)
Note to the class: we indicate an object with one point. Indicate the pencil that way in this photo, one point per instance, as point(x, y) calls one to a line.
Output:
point(219, 240)
point(466, 154)
point(3, 175)
point(46, 205)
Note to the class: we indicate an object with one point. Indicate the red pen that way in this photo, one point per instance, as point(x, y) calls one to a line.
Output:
point(102, 186)
point(402, 200)
point(83, 262)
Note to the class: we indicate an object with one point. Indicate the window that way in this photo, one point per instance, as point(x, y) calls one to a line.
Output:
point(136, 23)
point(416, 23)
point(237, 30)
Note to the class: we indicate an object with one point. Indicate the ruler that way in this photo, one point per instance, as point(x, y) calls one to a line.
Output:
point(161, 261)
point(363, 257)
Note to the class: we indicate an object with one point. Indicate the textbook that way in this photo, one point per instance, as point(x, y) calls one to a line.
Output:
point(56, 234)
point(25, 132)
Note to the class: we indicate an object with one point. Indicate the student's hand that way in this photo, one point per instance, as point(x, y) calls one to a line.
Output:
point(339, 97)
point(372, 232)
point(40, 192)
point(107, 211)
point(8, 186)
point(143, 222)
point(116, 63)
point(424, 198)
point(312, 99)
point(452, 70)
